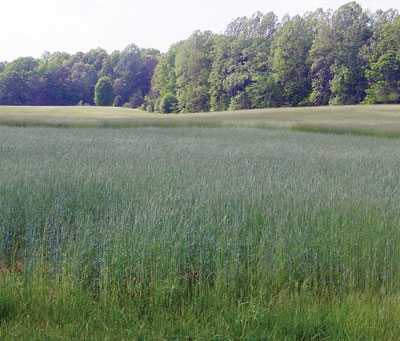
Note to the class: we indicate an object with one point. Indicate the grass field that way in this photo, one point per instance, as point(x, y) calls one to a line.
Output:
point(198, 233)
point(373, 120)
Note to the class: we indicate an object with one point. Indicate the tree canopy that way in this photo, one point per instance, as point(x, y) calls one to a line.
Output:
point(64, 79)
point(346, 56)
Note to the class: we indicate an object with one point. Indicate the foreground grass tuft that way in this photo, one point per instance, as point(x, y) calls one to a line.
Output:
point(62, 310)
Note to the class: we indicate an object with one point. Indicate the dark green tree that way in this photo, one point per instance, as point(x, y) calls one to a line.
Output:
point(192, 67)
point(384, 80)
point(351, 33)
point(383, 73)
point(240, 63)
point(322, 58)
point(290, 67)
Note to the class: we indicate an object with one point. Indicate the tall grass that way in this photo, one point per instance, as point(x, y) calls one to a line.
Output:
point(168, 223)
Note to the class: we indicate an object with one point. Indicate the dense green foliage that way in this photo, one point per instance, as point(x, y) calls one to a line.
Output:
point(103, 92)
point(168, 104)
point(64, 79)
point(229, 233)
point(341, 57)
point(347, 56)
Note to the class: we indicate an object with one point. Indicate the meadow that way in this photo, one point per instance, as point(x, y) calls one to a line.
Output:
point(372, 120)
point(196, 233)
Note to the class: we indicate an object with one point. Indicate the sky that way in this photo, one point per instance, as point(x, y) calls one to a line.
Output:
point(30, 27)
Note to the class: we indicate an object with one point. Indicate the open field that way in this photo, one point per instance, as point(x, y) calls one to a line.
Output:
point(198, 233)
point(382, 120)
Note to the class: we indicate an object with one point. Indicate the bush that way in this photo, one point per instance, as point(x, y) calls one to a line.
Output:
point(168, 104)
point(103, 92)
point(157, 105)
point(127, 105)
point(118, 101)
point(136, 99)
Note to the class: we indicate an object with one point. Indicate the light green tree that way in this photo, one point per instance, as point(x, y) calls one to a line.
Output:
point(103, 92)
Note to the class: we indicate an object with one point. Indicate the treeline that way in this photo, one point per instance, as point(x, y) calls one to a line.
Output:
point(347, 56)
point(64, 79)
point(342, 57)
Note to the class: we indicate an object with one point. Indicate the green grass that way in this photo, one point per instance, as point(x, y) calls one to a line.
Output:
point(370, 120)
point(68, 313)
point(198, 233)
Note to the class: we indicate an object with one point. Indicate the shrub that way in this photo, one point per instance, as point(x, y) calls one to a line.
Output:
point(103, 92)
point(136, 99)
point(169, 104)
point(118, 101)
point(127, 105)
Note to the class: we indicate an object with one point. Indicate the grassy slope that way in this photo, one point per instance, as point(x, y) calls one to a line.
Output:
point(382, 120)
point(290, 235)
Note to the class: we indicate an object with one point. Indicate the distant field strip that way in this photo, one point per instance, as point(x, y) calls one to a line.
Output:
point(373, 120)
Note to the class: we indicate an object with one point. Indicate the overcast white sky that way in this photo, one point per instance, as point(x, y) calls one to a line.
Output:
point(30, 27)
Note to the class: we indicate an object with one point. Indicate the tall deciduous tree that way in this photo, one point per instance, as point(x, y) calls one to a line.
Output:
point(289, 61)
point(193, 66)
point(322, 58)
point(384, 70)
point(240, 68)
point(351, 33)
